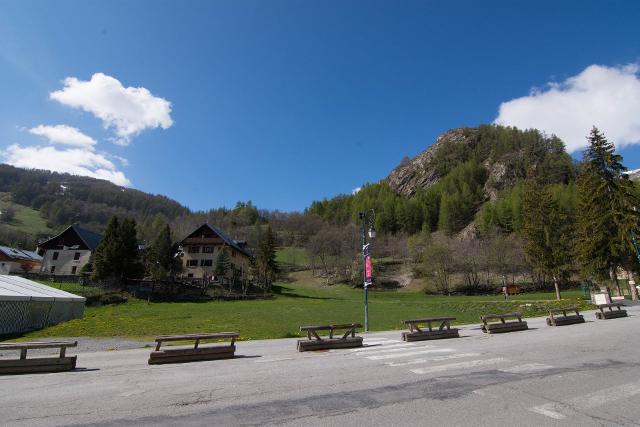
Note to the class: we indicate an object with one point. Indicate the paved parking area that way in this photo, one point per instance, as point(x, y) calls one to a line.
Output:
point(586, 374)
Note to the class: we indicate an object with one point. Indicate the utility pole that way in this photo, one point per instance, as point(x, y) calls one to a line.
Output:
point(367, 218)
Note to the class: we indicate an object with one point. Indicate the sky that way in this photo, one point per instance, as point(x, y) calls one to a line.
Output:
point(283, 102)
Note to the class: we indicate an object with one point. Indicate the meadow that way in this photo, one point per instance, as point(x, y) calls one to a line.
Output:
point(293, 305)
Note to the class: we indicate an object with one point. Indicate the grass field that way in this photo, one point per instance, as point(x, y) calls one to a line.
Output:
point(294, 256)
point(27, 220)
point(294, 305)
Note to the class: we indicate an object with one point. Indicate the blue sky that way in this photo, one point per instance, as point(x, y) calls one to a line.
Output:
point(286, 102)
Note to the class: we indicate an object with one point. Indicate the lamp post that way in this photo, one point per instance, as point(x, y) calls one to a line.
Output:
point(367, 218)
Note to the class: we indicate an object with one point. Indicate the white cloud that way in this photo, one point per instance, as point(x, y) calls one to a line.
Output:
point(601, 96)
point(126, 110)
point(122, 160)
point(63, 134)
point(76, 161)
point(356, 190)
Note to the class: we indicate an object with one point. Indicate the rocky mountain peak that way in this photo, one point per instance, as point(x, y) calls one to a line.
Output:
point(420, 172)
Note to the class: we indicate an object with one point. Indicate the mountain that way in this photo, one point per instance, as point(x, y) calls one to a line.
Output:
point(505, 153)
point(446, 185)
point(63, 199)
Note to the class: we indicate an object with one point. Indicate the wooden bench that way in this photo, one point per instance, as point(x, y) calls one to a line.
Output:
point(39, 364)
point(197, 353)
point(316, 342)
point(611, 313)
point(417, 333)
point(503, 325)
point(565, 319)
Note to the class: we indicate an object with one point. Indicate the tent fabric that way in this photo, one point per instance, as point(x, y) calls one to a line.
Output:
point(26, 305)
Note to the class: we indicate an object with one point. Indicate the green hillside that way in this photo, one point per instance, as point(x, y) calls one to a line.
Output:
point(26, 220)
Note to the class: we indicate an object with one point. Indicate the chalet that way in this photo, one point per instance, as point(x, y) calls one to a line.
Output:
point(14, 260)
point(69, 251)
point(200, 253)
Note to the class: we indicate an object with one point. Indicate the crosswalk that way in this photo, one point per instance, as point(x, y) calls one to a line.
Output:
point(435, 357)
point(438, 358)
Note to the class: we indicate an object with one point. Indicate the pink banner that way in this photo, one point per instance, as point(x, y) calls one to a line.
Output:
point(368, 270)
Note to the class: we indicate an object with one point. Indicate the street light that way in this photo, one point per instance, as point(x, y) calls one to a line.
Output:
point(367, 217)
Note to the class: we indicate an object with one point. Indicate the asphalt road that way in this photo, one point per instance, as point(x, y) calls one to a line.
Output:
point(583, 375)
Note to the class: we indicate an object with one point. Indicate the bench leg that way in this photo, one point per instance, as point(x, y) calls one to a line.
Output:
point(23, 353)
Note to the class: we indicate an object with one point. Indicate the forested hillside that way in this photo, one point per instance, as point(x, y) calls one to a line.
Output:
point(467, 173)
point(63, 199)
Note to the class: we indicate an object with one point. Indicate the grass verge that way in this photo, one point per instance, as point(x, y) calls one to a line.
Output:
point(294, 305)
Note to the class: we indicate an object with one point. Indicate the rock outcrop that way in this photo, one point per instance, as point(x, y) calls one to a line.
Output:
point(420, 172)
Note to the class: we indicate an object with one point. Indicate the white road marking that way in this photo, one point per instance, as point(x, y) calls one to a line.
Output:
point(278, 359)
point(526, 368)
point(588, 401)
point(410, 353)
point(380, 348)
point(378, 342)
point(547, 412)
point(461, 365)
point(433, 359)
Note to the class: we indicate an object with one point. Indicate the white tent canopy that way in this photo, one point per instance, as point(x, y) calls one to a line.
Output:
point(27, 305)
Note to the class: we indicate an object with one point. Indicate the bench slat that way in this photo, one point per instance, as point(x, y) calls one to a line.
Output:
point(330, 327)
point(499, 316)
point(560, 310)
point(220, 335)
point(37, 345)
point(613, 304)
point(429, 319)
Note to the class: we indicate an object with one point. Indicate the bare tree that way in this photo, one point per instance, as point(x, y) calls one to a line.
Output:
point(437, 262)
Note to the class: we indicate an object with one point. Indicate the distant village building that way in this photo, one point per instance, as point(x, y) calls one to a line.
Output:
point(14, 260)
point(201, 249)
point(69, 251)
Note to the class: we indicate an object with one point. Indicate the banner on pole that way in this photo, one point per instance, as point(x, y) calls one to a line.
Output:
point(368, 269)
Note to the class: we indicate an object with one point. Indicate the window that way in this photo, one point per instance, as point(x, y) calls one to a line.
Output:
point(190, 275)
point(53, 268)
point(74, 269)
point(194, 249)
point(55, 256)
point(233, 254)
point(192, 263)
point(206, 262)
point(207, 250)
point(76, 256)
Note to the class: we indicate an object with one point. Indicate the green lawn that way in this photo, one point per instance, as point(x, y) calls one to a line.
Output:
point(282, 316)
point(27, 220)
point(291, 255)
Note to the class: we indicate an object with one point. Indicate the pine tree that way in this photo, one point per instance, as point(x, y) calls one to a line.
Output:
point(222, 263)
point(116, 257)
point(548, 233)
point(106, 252)
point(266, 265)
point(606, 216)
point(161, 256)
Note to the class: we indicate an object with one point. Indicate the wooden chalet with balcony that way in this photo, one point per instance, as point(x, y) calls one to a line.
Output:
point(200, 254)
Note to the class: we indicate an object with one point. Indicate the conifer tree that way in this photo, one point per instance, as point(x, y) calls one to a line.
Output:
point(607, 216)
point(161, 256)
point(548, 232)
point(116, 257)
point(266, 266)
point(222, 263)
point(106, 251)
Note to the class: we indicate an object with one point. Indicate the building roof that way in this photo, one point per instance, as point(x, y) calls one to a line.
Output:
point(16, 253)
point(15, 288)
point(228, 240)
point(89, 238)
